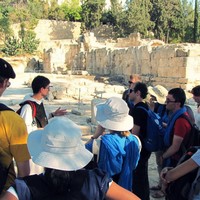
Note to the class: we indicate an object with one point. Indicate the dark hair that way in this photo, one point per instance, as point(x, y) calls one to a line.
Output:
point(60, 180)
point(196, 90)
point(142, 88)
point(2, 79)
point(179, 95)
point(38, 83)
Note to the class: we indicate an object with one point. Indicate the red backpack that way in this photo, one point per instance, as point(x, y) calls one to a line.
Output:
point(31, 103)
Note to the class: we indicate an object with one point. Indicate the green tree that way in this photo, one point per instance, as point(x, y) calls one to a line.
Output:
point(75, 11)
point(169, 20)
point(72, 11)
point(157, 16)
point(5, 22)
point(196, 22)
point(188, 18)
point(138, 17)
point(118, 18)
point(92, 12)
point(37, 9)
point(55, 12)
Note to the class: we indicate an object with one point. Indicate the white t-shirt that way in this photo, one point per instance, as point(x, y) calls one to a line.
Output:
point(196, 158)
point(26, 114)
point(197, 117)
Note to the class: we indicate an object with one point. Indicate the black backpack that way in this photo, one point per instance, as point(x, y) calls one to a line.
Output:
point(194, 136)
point(3, 169)
point(180, 189)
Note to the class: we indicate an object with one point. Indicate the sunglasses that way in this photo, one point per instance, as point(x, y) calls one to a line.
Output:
point(130, 82)
point(130, 91)
point(169, 101)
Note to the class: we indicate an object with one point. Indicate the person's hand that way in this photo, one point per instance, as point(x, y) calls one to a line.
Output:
point(60, 112)
point(163, 174)
point(164, 124)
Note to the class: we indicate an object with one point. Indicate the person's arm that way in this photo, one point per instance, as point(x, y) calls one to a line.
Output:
point(18, 146)
point(116, 192)
point(27, 115)
point(136, 130)
point(176, 143)
point(8, 196)
point(168, 175)
point(58, 112)
point(23, 168)
point(99, 131)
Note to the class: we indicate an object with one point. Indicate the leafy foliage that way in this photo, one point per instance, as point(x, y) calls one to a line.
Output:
point(29, 44)
point(169, 20)
point(91, 12)
point(11, 47)
point(139, 17)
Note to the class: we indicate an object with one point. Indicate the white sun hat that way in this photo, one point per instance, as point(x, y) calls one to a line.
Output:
point(159, 92)
point(59, 146)
point(113, 115)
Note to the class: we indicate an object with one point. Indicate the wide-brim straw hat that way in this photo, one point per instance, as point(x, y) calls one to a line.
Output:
point(159, 92)
point(113, 115)
point(59, 146)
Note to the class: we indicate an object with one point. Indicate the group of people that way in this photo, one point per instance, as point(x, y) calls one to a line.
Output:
point(54, 143)
point(53, 163)
point(176, 119)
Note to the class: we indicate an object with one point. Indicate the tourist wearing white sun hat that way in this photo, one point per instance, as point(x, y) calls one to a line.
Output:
point(59, 149)
point(117, 151)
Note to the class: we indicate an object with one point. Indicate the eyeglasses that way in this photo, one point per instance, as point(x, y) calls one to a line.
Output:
point(170, 101)
point(48, 87)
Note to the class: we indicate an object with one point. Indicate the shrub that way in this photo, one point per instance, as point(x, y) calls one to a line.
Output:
point(11, 46)
point(29, 44)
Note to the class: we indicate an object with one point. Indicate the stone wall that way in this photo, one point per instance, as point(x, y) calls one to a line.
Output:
point(168, 65)
point(59, 60)
point(51, 32)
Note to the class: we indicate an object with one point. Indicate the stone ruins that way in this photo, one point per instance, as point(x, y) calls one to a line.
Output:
point(65, 50)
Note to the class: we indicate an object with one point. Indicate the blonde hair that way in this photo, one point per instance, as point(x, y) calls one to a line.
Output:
point(125, 133)
point(122, 133)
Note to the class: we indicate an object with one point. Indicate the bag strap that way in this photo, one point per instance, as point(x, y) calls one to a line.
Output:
point(187, 118)
point(33, 107)
point(143, 108)
point(183, 147)
point(3, 107)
